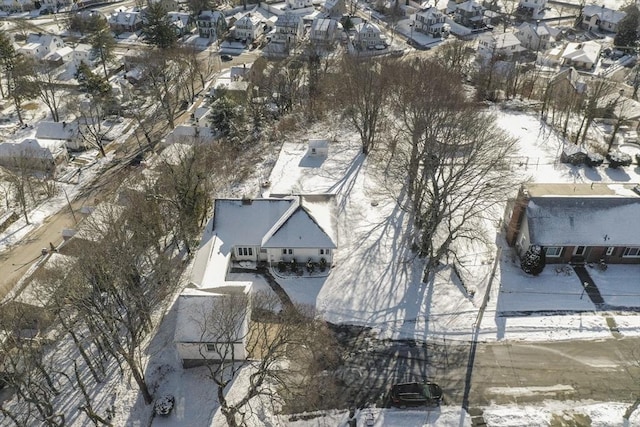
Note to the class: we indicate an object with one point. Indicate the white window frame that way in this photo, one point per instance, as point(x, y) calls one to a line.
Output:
point(610, 250)
point(584, 250)
point(631, 252)
point(557, 251)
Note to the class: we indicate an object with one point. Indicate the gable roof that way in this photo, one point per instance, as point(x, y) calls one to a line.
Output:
point(605, 14)
point(297, 230)
point(582, 52)
point(586, 218)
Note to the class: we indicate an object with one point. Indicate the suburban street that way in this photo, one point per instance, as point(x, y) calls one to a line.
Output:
point(502, 372)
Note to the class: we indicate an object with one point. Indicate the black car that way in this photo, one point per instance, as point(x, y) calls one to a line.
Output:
point(416, 394)
point(226, 57)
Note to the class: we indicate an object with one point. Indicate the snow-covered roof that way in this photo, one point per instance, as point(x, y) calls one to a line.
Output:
point(210, 15)
point(605, 14)
point(128, 17)
point(83, 48)
point(299, 230)
point(194, 322)
point(541, 28)
point(469, 6)
point(288, 20)
point(186, 133)
point(56, 130)
point(246, 222)
point(502, 40)
point(33, 148)
point(366, 27)
point(598, 215)
point(582, 52)
point(59, 54)
point(432, 11)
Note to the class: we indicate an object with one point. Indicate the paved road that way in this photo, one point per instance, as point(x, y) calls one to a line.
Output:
point(504, 373)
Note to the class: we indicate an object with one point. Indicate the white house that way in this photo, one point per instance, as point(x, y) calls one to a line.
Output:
point(61, 56)
point(323, 31)
point(248, 27)
point(272, 230)
point(596, 17)
point(212, 325)
point(211, 24)
point(432, 22)
point(367, 36)
point(289, 29)
point(582, 55)
point(41, 155)
point(299, 4)
point(498, 45)
point(531, 7)
point(536, 37)
point(69, 133)
point(40, 45)
point(82, 53)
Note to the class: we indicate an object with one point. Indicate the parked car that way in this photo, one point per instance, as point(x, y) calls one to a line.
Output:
point(416, 394)
point(226, 57)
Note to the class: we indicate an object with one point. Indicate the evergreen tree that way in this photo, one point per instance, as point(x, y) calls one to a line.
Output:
point(158, 29)
point(627, 34)
point(534, 260)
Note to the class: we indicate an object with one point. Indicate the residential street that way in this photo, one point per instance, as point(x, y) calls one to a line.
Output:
point(503, 373)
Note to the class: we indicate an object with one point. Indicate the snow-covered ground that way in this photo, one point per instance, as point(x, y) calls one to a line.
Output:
point(376, 281)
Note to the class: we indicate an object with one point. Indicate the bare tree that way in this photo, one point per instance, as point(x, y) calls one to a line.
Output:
point(48, 88)
point(598, 89)
point(450, 157)
point(92, 127)
point(362, 88)
point(273, 336)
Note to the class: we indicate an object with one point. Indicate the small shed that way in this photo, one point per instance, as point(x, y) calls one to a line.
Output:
point(318, 147)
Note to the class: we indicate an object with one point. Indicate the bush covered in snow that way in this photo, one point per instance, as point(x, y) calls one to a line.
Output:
point(594, 159)
point(533, 261)
point(618, 158)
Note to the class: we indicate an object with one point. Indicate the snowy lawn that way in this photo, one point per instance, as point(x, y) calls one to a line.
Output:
point(619, 285)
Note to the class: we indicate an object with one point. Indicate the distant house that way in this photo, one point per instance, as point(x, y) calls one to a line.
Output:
point(182, 22)
point(33, 154)
point(323, 32)
point(577, 222)
point(531, 8)
point(367, 36)
point(536, 37)
point(581, 55)
point(432, 22)
point(82, 53)
point(125, 21)
point(211, 24)
point(61, 131)
point(212, 325)
point(60, 57)
point(334, 8)
point(470, 14)
point(601, 18)
point(289, 29)
point(248, 27)
point(502, 45)
point(40, 45)
point(298, 4)
point(191, 134)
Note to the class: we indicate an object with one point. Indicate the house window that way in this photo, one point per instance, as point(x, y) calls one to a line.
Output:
point(245, 251)
point(287, 251)
point(553, 251)
point(211, 348)
point(631, 252)
point(610, 250)
point(324, 251)
point(284, 252)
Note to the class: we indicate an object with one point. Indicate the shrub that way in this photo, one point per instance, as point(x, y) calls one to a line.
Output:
point(533, 261)
point(323, 264)
point(618, 158)
point(594, 159)
point(282, 266)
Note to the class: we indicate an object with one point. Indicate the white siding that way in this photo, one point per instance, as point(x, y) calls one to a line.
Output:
point(300, 254)
point(191, 351)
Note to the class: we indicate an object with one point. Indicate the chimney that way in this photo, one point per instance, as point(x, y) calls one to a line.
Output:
point(517, 214)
